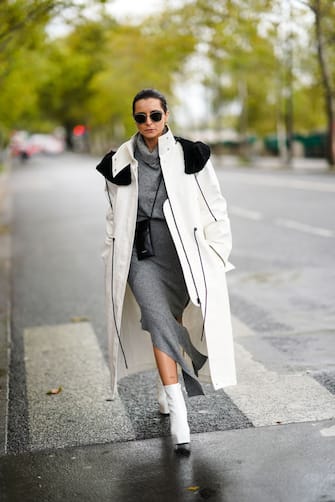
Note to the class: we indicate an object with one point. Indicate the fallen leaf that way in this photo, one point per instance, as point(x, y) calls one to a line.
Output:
point(53, 392)
point(193, 488)
point(79, 319)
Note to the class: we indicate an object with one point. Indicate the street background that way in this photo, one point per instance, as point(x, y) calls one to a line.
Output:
point(269, 438)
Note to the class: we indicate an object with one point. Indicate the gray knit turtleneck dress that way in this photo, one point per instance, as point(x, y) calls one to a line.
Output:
point(157, 282)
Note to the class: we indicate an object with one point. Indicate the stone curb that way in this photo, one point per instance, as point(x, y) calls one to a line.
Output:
point(5, 303)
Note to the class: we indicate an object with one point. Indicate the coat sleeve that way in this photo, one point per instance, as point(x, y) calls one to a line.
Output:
point(216, 223)
point(109, 222)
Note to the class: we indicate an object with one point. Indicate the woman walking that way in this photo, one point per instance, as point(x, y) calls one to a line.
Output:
point(166, 254)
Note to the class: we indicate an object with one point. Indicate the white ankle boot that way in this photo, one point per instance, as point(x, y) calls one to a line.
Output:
point(161, 397)
point(180, 430)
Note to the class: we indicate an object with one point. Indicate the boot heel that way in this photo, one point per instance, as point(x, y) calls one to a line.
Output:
point(183, 450)
point(179, 427)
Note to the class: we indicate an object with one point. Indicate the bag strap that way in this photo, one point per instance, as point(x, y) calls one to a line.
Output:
point(153, 205)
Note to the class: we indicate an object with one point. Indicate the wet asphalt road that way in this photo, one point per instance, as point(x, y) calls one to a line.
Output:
point(282, 289)
point(270, 438)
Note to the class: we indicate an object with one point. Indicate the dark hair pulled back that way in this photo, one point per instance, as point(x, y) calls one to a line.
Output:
point(150, 93)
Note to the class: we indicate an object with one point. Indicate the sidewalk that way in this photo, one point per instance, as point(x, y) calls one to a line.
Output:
point(267, 163)
point(291, 463)
point(4, 304)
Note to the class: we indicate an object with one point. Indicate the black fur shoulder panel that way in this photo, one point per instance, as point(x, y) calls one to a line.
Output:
point(106, 169)
point(196, 154)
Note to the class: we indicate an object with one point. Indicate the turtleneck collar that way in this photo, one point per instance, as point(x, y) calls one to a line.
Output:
point(143, 154)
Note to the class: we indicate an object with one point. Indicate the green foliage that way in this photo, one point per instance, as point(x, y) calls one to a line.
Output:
point(19, 17)
point(135, 58)
point(19, 88)
point(71, 63)
point(33, 90)
point(90, 75)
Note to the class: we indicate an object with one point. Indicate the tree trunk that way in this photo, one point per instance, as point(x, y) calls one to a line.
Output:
point(329, 93)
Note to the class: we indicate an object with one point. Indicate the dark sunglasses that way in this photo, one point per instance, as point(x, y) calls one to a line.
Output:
point(155, 116)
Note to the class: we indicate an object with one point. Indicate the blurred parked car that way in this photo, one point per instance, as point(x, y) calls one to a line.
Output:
point(24, 145)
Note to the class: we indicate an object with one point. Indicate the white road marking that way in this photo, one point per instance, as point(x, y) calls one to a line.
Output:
point(287, 183)
point(245, 213)
point(69, 356)
point(303, 227)
point(269, 398)
point(240, 328)
point(250, 214)
point(328, 432)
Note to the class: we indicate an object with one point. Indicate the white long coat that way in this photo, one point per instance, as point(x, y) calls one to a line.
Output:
point(196, 215)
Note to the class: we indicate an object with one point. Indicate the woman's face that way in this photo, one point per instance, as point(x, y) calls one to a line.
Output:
point(150, 129)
